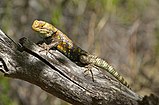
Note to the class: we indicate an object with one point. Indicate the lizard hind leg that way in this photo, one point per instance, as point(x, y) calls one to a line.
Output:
point(89, 69)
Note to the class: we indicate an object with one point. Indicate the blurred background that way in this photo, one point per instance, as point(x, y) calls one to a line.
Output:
point(124, 32)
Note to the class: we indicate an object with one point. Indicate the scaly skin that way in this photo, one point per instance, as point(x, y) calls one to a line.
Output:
point(62, 43)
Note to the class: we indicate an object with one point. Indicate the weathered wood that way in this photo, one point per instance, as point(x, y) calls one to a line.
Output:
point(57, 75)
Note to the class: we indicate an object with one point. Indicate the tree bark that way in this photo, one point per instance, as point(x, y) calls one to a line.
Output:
point(59, 76)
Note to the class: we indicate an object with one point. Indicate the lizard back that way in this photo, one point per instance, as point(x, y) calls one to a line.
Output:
point(62, 43)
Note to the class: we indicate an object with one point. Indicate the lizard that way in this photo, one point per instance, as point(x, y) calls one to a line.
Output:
point(54, 38)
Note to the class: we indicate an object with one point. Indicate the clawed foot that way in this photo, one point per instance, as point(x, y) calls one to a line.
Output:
point(89, 69)
point(45, 48)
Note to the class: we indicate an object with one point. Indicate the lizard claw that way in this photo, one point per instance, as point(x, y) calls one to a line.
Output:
point(45, 48)
point(89, 69)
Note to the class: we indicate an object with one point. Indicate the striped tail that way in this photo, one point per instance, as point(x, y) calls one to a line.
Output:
point(91, 59)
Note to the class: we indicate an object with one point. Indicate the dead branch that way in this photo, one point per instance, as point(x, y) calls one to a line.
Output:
point(57, 75)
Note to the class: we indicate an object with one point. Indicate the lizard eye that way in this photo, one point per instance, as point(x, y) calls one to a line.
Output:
point(42, 25)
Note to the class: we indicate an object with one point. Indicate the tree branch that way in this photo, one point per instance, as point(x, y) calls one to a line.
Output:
point(57, 75)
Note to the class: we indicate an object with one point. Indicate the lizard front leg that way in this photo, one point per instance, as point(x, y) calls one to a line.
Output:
point(47, 47)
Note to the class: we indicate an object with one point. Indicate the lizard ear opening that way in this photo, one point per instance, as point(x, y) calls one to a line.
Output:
point(49, 34)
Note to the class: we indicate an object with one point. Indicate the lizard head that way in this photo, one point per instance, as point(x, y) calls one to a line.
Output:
point(44, 28)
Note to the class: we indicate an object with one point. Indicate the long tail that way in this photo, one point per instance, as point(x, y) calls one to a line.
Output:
point(91, 59)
